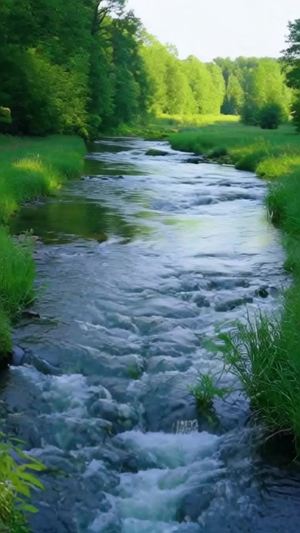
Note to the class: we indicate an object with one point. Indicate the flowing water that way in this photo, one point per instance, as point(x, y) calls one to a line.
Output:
point(140, 264)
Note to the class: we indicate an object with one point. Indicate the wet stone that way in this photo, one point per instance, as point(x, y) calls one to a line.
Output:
point(18, 356)
point(232, 304)
point(262, 292)
point(156, 152)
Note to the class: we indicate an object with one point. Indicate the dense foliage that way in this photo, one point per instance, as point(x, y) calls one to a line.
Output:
point(292, 61)
point(68, 65)
point(253, 84)
point(82, 66)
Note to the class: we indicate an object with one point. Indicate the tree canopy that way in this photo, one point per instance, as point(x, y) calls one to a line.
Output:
point(86, 65)
point(291, 60)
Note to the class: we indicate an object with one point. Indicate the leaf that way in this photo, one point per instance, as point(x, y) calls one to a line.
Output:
point(29, 508)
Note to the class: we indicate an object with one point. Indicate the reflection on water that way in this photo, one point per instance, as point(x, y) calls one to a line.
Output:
point(62, 221)
point(141, 263)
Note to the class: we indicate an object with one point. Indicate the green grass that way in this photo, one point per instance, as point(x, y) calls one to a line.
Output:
point(265, 353)
point(30, 168)
point(163, 126)
point(270, 153)
point(16, 273)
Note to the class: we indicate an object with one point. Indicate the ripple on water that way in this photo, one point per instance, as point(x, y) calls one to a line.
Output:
point(140, 264)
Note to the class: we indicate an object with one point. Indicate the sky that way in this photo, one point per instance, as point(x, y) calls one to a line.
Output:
point(212, 28)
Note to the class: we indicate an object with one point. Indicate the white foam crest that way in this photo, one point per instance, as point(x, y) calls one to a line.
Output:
point(155, 494)
point(167, 450)
point(132, 525)
point(67, 392)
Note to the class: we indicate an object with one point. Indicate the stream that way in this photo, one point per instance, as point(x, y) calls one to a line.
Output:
point(141, 264)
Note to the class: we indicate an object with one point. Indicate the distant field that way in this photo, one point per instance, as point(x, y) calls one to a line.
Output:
point(162, 126)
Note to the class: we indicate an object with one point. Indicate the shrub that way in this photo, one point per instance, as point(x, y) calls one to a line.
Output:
point(270, 116)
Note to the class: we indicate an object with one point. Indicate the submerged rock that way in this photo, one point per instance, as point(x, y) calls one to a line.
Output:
point(17, 356)
point(194, 160)
point(155, 152)
point(28, 313)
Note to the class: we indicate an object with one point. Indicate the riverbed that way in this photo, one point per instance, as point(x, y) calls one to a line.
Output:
point(141, 264)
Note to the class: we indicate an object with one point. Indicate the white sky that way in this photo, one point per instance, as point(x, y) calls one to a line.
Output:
point(212, 28)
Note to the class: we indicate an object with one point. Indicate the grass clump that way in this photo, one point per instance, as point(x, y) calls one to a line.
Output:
point(206, 389)
point(17, 271)
point(264, 354)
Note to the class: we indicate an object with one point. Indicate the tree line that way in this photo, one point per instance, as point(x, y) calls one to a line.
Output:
point(85, 66)
point(70, 65)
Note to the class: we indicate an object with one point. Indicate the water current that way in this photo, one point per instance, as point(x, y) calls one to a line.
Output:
point(140, 264)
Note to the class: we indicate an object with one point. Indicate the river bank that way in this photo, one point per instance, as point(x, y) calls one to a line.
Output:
point(31, 168)
point(270, 346)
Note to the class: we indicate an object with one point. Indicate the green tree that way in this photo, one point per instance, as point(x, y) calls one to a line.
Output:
point(265, 84)
point(234, 97)
point(130, 77)
point(291, 58)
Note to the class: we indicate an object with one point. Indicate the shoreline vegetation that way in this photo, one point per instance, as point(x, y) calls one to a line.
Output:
point(265, 352)
point(31, 169)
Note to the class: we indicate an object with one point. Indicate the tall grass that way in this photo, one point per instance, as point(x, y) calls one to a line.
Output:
point(257, 353)
point(265, 353)
point(16, 273)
